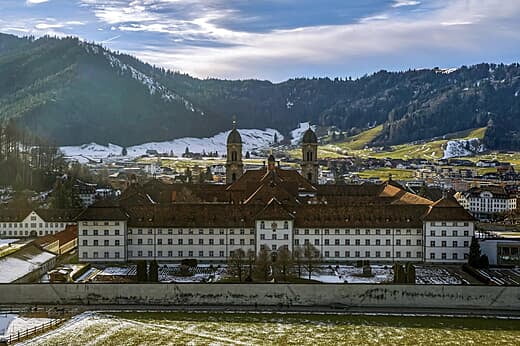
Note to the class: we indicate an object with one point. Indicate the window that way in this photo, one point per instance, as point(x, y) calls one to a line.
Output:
point(139, 241)
point(96, 243)
point(170, 241)
point(378, 254)
point(358, 242)
point(466, 233)
point(408, 242)
point(221, 241)
point(356, 254)
point(179, 253)
point(286, 237)
point(190, 241)
point(211, 254)
point(443, 255)
point(242, 242)
point(84, 255)
point(367, 232)
point(221, 253)
point(443, 233)
point(378, 242)
point(201, 253)
point(367, 253)
point(398, 254)
point(296, 241)
point(116, 242)
point(327, 254)
point(262, 225)
point(432, 243)
point(347, 254)
point(150, 253)
point(116, 254)
point(388, 242)
point(387, 254)
point(432, 255)
point(85, 243)
point(336, 242)
point(211, 241)
point(159, 253)
point(367, 241)
point(419, 242)
point(316, 242)
point(85, 232)
point(105, 255)
point(231, 241)
point(95, 232)
point(327, 242)
point(455, 256)
point(139, 253)
point(398, 242)
point(159, 241)
point(347, 241)
point(408, 254)
point(105, 242)
point(432, 233)
point(285, 225)
point(180, 241)
point(170, 253)
point(466, 243)
point(201, 241)
point(419, 254)
point(273, 237)
point(95, 254)
point(455, 233)
point(455, 244)
point(273, 247)
point(129, 241)
point(106, 232)
point(443, 243)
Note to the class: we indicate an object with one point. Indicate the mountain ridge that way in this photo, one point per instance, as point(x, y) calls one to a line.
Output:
point(77, 92)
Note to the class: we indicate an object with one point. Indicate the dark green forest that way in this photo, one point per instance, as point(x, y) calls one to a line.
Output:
point(76, 92)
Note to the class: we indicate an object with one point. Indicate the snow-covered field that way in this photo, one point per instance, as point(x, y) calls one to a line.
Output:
point(13, 323)
point(463, 147)
point(6, 242)
point(142, 328)
point(252, 140)
point(297, 133)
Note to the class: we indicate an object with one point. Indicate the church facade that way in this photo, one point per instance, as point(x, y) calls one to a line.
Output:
point(273, 208)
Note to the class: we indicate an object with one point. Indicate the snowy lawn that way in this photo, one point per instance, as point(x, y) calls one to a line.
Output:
point(12, 323)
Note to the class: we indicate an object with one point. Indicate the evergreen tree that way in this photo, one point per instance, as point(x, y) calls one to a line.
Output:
point(474, 253)
point(153, 271)
point(142, 272)
point(124, 152)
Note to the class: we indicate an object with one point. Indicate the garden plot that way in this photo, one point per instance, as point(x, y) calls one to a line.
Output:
point(351, 274)
point(436, 276)
point(201, 273)
point(502, 276)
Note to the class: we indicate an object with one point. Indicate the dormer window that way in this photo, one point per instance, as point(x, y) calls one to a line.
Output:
point(262, 225)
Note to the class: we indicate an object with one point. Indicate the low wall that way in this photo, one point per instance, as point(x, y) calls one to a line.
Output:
point(413, 296)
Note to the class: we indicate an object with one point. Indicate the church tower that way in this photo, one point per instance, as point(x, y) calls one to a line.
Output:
point(310, 156)
point(234, 165)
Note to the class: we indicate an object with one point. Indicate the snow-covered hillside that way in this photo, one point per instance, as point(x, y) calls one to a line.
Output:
point(463, 147)
point(252, 139)
point(297, 133)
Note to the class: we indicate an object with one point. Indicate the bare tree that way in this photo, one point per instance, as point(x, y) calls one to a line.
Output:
point(298, 259)
point(263, 265)
point(250, 262)
point(312, 258)
point(236, 263)
point(284, 262)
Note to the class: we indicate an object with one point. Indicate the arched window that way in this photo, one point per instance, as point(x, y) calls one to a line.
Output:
point(262, 225)
point(285, 225)
point(234, 177)
point(309, 156)
point(234, 156)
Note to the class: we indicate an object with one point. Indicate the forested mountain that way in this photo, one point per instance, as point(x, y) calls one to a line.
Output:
point(76, 92)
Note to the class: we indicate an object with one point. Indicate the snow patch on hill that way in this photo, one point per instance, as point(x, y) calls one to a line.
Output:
point(252, 139)
point(297, 133)
point(463, 147)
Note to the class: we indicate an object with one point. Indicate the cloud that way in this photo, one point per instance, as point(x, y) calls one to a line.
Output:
point(55, 25)
point(402, 3)
point(35, 2)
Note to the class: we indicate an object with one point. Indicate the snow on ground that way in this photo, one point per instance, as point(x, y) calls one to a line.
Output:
point(13, 268)
point(119, 271)
point(12, 323)
point(351, 274)
point(463, 147)
point(253, 139)
point(297, 133)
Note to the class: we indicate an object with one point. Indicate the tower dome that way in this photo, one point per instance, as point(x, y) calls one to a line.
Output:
point(234, 137)
point(309, 137)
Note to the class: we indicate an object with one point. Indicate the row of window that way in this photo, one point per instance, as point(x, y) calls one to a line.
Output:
point(359, 231)
point(444, 233)
point(26, 233)
point(150, 241)
point(444, 256)
point(32, 225)
point(445, 243)
point(211, 253)
point(443, 223)
point(367, 242)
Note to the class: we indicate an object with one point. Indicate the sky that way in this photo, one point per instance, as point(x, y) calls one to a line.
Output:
point(281, 39)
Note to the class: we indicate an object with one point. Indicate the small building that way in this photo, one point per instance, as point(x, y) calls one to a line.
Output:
point(485, 201)
point(28, 223)
point(60, 243)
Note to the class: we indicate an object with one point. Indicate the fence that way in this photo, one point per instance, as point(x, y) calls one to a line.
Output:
point(22, 334)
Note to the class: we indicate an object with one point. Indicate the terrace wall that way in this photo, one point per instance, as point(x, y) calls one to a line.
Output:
point(412, 296)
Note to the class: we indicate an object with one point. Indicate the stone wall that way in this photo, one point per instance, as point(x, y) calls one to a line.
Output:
point(414, 296)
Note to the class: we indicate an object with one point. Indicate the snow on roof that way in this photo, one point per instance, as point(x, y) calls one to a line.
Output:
point(22, 262)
